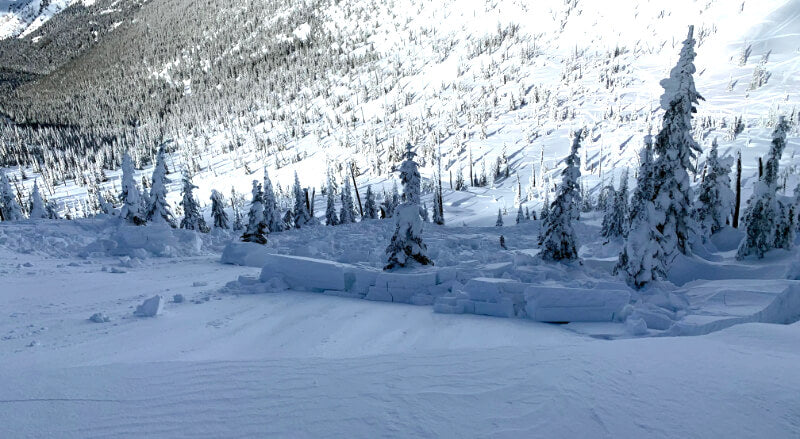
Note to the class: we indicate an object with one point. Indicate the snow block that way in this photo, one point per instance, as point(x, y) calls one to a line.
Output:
point(247, 254)
point(558, 304)
point(306, 274)
point(359, 280)
point(150, 307)
point(495, 297)
point(401, 287)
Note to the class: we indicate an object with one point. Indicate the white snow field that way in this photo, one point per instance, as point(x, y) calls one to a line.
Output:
point(283, 363)
point(249, 341)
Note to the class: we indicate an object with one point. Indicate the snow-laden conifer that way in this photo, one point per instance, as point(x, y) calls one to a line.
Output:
point(641, 260)
point(406, 245)
point(38, 209)
point(676, 148)
point(218, 213)
point(256, 227)
point(558, 240)
point(9, 207)
point(131, 197)
point(763, 214)
point(331, 218)
point(370, 206)
point(714, 204)
point(300, 210)
point(347, 212)
point(271, 214)
point(615, 219)
point(192, 218)
point(158, 210)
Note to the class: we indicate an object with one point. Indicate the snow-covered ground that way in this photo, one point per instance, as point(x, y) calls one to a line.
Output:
point(300, 364)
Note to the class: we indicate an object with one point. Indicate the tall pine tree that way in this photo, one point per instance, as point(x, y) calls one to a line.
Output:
point(558, 238)
point(715, 200)
point(131, 197)
point(676, 148)
point(218, 213)
point(158, 209)
point(192, 218)
point(256, 230)
point(406, 245)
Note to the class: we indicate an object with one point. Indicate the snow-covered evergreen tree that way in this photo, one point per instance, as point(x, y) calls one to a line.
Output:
point(331, 218)
point(10, 208)
point(38, 209)
point(641, 259)
point(271, 214)
point(676, 148)
point(157, 208)
point(52, 210)
point(499, 221)
point(192, 218)
point(105, 206)
point(300, 211)
point(558, 238)
point(370, 206)
point(520, 214)
point(406, 245)
point(131, 197)
point(615, 219)
point(762, 217)
point(531, 191)
point(392, 201)
point(545, 212)
point(347, 212)
point(218, 213)
point(714, 204)
point(256, 230)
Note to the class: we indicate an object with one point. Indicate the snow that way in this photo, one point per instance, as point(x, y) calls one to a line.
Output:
point(555, 304)
point(248, 254)
point(268, 340)
point(150, 307)
point(293, 363)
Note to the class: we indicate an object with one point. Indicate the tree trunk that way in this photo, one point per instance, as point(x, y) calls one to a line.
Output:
point(737, 206)
point(355, 186)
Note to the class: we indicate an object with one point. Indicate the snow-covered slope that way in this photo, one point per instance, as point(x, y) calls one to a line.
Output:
point(494, 77)
point(18, 18)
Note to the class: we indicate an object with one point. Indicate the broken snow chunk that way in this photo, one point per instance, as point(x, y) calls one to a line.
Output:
point(99, 317)
point(150, 307)
point(178, 298)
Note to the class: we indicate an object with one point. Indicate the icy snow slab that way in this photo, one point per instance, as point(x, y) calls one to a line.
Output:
point(150, 307)
point(307, 274)
point(405, 287)
point(247, 254)
point(559, 304)
point(715, 307)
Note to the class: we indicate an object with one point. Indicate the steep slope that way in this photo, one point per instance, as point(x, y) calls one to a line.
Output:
point(302, 86)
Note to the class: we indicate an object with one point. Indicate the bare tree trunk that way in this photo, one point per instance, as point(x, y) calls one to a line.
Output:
point(355, 186)
point(737, 206)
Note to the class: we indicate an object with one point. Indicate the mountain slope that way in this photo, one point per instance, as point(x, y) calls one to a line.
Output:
point(302, 86)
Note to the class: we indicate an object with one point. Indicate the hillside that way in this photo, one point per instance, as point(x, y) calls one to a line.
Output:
point(308, 85)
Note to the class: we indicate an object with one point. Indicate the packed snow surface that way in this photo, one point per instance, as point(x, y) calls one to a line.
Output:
point(291, 363)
